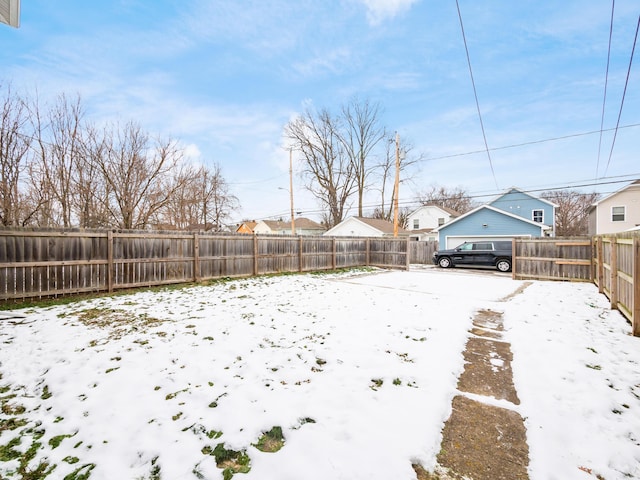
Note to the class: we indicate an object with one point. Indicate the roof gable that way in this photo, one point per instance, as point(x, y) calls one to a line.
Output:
point(493, 209)
point(633, 184)
point(383, 226)
point(446, 210)
point(513, 190)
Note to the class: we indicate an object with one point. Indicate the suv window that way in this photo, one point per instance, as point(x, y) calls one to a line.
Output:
point(483, 246)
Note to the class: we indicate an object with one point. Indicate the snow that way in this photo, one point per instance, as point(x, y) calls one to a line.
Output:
point(307, 353)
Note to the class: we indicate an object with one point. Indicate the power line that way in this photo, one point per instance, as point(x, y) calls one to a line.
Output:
point(475, 93)
point(533, 142)
point(623, 95)
point(606, 80)
point(417, 202)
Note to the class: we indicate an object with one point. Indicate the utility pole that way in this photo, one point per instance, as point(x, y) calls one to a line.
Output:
point(397, 184)
point(293, 224)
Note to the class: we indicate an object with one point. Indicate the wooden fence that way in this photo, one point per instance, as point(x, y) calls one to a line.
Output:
point(612, 262)
point(616, 272)
point(422, 252)
point(552, 259)
point(38, 264)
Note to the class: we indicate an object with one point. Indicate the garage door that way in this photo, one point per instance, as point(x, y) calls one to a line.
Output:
point(454, 241)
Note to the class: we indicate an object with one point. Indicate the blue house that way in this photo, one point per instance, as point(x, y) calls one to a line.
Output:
point(512, 214)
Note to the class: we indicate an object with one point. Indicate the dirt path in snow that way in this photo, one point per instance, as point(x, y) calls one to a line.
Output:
point(485, 437)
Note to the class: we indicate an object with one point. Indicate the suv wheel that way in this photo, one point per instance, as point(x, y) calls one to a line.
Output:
point(503, 265)
point(444, 262)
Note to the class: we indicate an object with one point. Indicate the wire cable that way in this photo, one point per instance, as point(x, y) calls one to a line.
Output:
point(532, 142)
point(624, 92)
point(475, 93)
point(606, 80)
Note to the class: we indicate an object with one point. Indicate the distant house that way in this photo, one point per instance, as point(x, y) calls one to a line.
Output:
point(512, 214)
point(303, 226)
point(246, 227)
point(422, 222)
point(617, 212)
point(364, 227)
point(527, 206)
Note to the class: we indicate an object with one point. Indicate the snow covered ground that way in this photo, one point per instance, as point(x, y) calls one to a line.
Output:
point(358, 370)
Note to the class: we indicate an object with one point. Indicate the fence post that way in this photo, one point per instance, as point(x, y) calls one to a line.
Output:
point(408, 254)
point(367, 251)
point(600, 257)
point(110, 261)
point(255, 254)
point(614, 273)
point(196, 257)
point(513, 258)
point(300, 269)
point(334, 254)
point(635, 314)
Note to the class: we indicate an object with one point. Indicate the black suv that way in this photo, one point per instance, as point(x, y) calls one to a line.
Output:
point(485, 253)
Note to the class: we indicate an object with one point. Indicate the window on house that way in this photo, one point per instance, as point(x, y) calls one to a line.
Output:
point(538, 216)
point(440, 221)
point(416, 223)
point(617, 214)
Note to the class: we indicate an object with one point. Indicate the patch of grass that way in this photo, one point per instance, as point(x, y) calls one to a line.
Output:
point(377, 383)
point(12, 409)
point(55, 442)
point(271, 441)
point(8, 452)
point(593, 367)
point(231, 461)
point(81, 473)
point(397, 381)
point(9, 424)
point(173, 395)
point(154, 474)
point(46, 393)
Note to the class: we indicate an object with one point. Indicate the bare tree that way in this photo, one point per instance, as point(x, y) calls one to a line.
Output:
point(386, 175)
point(91, 190)
point(217, 201)
point(572, 211)
point(14, 148)
point(361, 134)
point(60, 139)
point(330, 174)
point(201, 201)
point(139, 177)
point(456, 199)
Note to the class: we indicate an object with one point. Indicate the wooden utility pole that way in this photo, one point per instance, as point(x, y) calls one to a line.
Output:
point(293, 224)
point(397, 184)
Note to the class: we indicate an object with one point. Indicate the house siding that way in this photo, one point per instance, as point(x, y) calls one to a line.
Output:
point(600, 217)
point(497, 225)
point(520, 204)
point(427, 217)
point(353, 228)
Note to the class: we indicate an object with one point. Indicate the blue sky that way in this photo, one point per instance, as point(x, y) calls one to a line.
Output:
point(224, 77)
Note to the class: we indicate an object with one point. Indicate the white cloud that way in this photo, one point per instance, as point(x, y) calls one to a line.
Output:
point(379, 10)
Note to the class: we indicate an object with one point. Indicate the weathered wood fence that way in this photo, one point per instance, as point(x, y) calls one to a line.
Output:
point(422, 252)
point(37, 264)
point(612, 262)
point(557, 258)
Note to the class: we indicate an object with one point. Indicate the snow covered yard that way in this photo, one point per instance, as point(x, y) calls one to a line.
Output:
point(358, 371)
